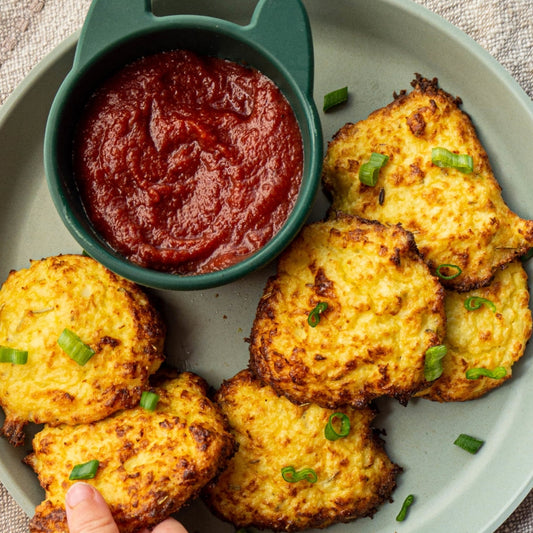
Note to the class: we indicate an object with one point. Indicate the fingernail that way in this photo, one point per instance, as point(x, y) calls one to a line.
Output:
point(78, 493)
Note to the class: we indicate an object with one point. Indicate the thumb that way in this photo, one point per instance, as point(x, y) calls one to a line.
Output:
point(169, 526)
point(87, 511)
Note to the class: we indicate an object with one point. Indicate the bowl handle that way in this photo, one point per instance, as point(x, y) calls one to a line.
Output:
point(282, 27)
point(109, 20)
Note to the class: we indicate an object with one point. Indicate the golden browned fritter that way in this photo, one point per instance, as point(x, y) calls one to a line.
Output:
point(111, 315)
point(354, 475)
point(484, 338)
point(150, 462)
point(384, 310)
point(459, 219)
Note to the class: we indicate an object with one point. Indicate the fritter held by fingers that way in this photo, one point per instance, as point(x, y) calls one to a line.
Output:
point(109, 314)
point(491, 336)
point(457, 218)
point(384, 310)
point(150, 462)
point(354, 475)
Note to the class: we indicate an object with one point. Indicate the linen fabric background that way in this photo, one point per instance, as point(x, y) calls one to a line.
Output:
point(29, 29)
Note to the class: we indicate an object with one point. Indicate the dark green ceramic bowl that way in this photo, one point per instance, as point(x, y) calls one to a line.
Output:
point(277, 42)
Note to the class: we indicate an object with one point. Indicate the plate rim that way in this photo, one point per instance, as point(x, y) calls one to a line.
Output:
point(415, 10)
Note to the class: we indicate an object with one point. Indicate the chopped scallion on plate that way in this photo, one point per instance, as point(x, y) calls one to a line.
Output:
point(335, 98)
point(475, 373)
point(369, 171)
point(433, 362)
point(443, 158)
point(12, 355)
point(314, 316)
point(468, 443)
point(456, 271)
point(291, 475)
point(331, 433)
point(475, 302)
point(74, 347)
point(85, 470)
point(403, 511)
point(149, 400)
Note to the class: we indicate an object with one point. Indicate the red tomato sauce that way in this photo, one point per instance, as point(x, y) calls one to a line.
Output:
point(188, 164)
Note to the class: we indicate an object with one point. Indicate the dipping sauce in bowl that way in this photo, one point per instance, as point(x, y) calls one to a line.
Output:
point(188, 164)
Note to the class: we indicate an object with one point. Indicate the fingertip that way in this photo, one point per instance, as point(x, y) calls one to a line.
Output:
point(78, 493)
point(87, 510)
point(170, 525)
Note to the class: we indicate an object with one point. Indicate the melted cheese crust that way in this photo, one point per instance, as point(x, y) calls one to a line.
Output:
point(354, 473)
point(111, 315)
point(385, 309)
point(151, 463)
point(456, 218)
point(483, 338)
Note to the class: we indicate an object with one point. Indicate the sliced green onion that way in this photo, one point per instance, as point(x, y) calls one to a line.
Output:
point(291, 475)
point(475, 373)
point(74, 347)
point(331, 433)
point(314, 316)
point(403, 511)
point(468, 443)
point(443, 158)
point(12, 355)
point(85, 470)
point(369, 171)
point(149, 400)
point(335, 98)
point(433, 362)
point(447, 266)
point(475, 302)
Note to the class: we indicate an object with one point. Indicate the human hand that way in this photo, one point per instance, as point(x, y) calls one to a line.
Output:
point(87, 512)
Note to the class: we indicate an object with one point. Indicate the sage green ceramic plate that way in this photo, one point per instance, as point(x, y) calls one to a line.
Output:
point(374, 47)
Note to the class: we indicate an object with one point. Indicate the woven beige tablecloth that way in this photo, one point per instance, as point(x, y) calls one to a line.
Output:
point(29, 29)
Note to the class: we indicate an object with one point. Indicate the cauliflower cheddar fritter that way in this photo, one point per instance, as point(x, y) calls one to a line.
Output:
point(459, 219)
point(109, 314)
point(150, 462)
point(384, 311)
point(484, 338)
point(354, 475)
